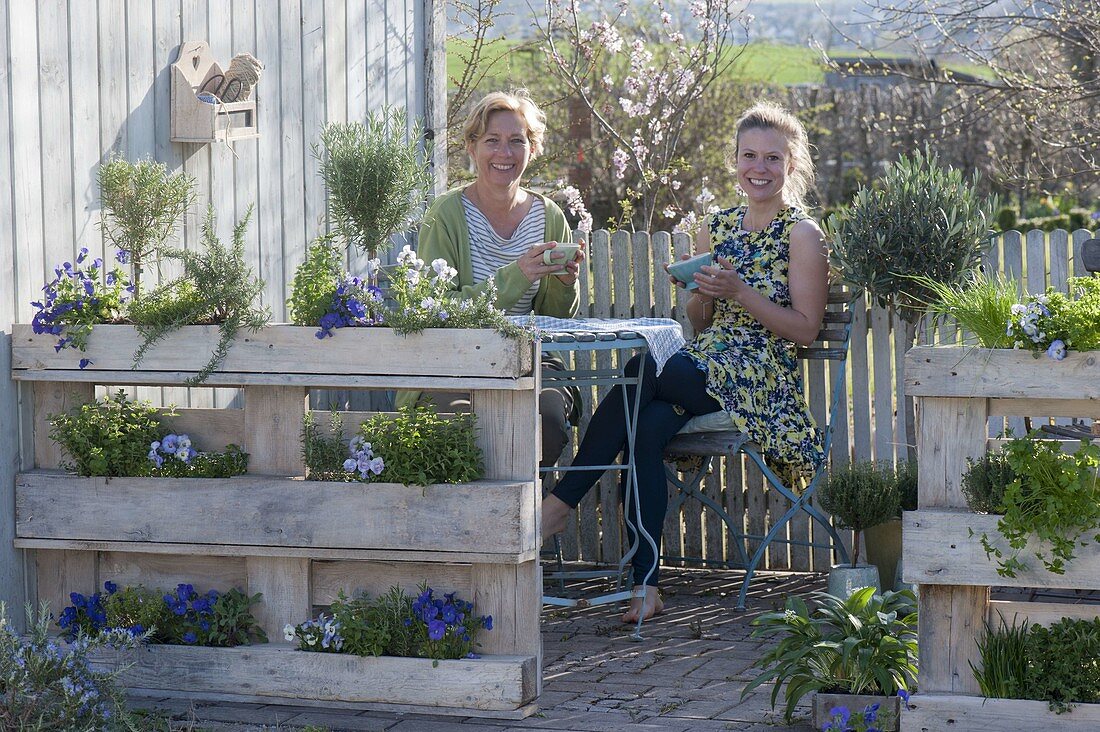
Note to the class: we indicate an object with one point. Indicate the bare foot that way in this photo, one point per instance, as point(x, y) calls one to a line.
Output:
point(647, 601)
point(555, 511)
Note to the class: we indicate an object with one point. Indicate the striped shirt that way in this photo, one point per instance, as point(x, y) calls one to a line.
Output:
point(489, 251)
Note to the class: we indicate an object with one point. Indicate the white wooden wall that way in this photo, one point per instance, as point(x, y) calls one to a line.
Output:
point(82, 80)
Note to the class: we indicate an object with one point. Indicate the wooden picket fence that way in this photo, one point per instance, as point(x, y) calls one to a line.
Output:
point(623, 280)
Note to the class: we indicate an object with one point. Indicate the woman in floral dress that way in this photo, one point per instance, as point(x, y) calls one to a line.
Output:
point(764, 296)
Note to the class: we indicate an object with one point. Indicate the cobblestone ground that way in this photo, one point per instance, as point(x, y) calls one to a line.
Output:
point(686, 674)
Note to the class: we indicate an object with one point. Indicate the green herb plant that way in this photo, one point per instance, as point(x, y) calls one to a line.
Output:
point(232, 622)
point(866, 644)
point(142, 205)
point(136, 606)
point(377, 177)
point(421, 447)
point(1055, 497)
point(859, 496)
point(905, 479)
point(920, 221)
point(108, 437)
point(1003, 653)
point(985, 480)
point(217, 287)
point(324, 451)
point(1058, 664)
point(315, 281)
point(207, 464)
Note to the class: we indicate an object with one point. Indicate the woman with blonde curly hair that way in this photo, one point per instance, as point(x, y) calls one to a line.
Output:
point(495, 228)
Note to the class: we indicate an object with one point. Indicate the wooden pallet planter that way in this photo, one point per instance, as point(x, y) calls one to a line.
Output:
point(277, 673)
point(301, 542)
point(957, 390)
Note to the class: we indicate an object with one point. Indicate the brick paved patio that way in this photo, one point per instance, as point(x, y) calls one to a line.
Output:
point(687, 673)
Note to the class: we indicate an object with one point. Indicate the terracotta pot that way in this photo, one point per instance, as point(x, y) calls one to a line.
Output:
point(889, 708)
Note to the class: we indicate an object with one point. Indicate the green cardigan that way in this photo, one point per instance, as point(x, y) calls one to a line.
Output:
point(444, 234)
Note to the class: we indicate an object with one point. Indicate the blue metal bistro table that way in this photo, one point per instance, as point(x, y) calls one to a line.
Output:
point(658, 335)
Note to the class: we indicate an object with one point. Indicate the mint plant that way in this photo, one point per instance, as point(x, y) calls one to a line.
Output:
point(421, 448)
point(108, 437)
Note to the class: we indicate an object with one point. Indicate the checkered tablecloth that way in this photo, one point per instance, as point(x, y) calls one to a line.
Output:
point(663, 336)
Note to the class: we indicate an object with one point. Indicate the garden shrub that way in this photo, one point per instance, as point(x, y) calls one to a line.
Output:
point(859, 496)
point(985, 480)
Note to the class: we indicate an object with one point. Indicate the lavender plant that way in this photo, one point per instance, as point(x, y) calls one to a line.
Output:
point(44, 686)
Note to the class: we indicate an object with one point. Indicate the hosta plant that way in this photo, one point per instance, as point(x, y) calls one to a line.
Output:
point(865, 644)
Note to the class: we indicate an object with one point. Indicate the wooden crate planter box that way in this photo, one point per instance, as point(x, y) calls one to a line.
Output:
point(940, 550)
point(939, 712)
point(280, 673)
point(294, 515)
point(298, 542)
point(957, 391)
point(291, 353)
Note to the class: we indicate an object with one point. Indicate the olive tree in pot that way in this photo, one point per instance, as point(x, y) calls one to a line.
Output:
point(920, 221)
point(858, 495)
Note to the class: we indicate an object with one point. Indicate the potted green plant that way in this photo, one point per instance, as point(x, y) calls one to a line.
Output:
point(883, 540)
point(377, 177)
point(142, 205)
point(858, 495)
point(854, 652)
point(920, 221)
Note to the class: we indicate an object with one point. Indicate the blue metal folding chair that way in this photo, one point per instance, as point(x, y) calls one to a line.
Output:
point(717, 440)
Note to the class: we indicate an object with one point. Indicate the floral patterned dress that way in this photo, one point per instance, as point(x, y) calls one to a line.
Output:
point(752, 372)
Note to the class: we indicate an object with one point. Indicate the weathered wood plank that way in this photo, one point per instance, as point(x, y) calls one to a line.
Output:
point(277, 671)
point(165, 571)
point(272, 423)
point(1006, 373)
point(376, 578)
point(939, 712)
point(1048, 407)
point(236, 550)
point(952, 430)
point(62, 572)
point(50, 399)
point(291, 350)
point(284, 584)
point(272, 512)
point(1043, 613)
point(942, 547)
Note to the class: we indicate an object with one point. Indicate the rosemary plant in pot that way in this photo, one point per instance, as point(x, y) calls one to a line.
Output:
point(142, 205)
point(377, 177)
point(920, 220)
point(858, 495)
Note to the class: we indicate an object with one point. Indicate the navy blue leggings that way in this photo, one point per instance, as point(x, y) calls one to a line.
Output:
point(667, 403)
